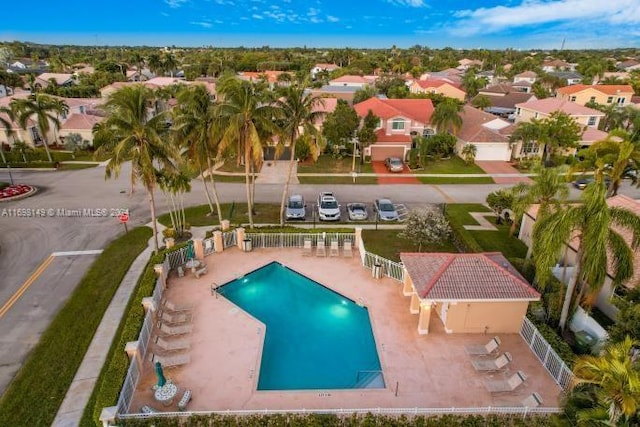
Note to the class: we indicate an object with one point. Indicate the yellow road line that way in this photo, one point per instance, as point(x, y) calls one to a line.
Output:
point(25, 286)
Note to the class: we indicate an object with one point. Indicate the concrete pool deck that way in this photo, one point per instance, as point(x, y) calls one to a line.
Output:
point(430, 370)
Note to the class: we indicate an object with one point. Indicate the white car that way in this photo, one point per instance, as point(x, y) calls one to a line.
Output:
point(357, 211)
point(328, 207)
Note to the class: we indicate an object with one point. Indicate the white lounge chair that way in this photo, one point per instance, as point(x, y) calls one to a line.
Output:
point(172, 345)
point(496, 364)
point(169, 306)
point(306, 249)
point(484, 350)
point(175, 317)
point(321, 248)
point(146, 409)
point(200, 272)
point(334, 249)
point(347, 251)
point(171, 361)
point(532, 401)
point(509, 384)
point(175, 330)
point(184, 400)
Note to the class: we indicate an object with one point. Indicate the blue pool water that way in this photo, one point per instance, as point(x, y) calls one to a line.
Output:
point(315, 337)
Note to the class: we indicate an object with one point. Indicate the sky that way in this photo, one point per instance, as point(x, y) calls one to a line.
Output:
point(490, 24)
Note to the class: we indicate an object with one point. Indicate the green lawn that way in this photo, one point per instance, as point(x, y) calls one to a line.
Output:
point(337, 180)
point(35, 394)
point(387, 244)
point(76, 166)
point(488, 241)
point(235, 213)
point(439, 180)
point(327, 164)
point(454, 165)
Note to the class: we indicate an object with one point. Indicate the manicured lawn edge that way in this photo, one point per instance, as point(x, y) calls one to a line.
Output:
point(37, 391)
point(463, 240)
point(114, 371)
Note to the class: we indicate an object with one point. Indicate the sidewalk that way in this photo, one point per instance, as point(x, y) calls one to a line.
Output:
point(70, 412)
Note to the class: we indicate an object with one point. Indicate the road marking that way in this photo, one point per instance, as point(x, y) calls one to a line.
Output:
point(25, 286)
point(71, 253)
point(447, 198)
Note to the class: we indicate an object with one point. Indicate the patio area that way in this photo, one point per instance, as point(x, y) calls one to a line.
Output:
point(427, 370)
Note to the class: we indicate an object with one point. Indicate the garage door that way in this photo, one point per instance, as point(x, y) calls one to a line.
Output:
point(489, 151)
point(379, 153)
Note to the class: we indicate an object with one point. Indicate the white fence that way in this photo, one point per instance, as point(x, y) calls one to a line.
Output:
point(180, 256)
point(209, 246)
point(488, 410)
point(145, 334)
point(295, 240)
point(129, 386)
point(549, 358)
point(229, 238)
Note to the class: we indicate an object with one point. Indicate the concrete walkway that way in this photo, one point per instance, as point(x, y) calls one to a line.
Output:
point(276, 172)
point(70, 412)
point(483, 223)
point(502, 172)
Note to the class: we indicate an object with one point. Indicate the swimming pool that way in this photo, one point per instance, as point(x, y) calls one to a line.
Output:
point(315, 337)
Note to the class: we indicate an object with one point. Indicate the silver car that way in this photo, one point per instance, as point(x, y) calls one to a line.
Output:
point(295, 207)
point(394, 164)
point(357, 211)
point(385, 210)
point(328, 207)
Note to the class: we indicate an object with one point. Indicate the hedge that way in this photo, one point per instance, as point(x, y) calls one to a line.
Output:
point(463, 240)
point(114, 371)
point(329, 420)
point(36, 393)
point(555, 341)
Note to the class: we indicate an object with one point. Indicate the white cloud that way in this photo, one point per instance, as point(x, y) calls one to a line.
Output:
point(332, 18)
point(174, 4)
point(256, 16)
point(203, 24)
point(538, 12)
point(407, 3)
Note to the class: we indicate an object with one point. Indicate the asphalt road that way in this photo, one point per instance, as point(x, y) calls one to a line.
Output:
point(27, 242)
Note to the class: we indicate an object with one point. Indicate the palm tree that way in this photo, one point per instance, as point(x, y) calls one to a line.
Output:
point(446, 116)
point(247, 117)
point(616, 153)
point(299, 113)
point(6, 121)
point(174, 185)
point(529, 133)
point(614, 378)
point(46, 110)
point(170, 63)
point(136, 136)
point(595, 225)
point(195, 122)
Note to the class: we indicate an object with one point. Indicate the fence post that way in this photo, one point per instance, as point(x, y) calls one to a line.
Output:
point(198, 249)
point(108, 416)
point(132, 348)
point(218, 243)
point(358, 237)
point(159, 270)
point(239, 237)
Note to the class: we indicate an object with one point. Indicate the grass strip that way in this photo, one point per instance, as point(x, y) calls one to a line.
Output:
point(387, 244)
point(37, 391)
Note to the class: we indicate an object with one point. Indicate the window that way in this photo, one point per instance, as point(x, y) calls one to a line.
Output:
point(428, 133)
point(621, 100)
point(535, 116)
point(572, 99)
point(592, 99)
point(530, 148)
point(518, 111)
point(397, 124)
point(379, 124)
point(610, 100)
point(592, 121)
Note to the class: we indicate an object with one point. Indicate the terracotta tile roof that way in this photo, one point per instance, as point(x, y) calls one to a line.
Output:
point(325, 66)
point(419, 110)
point(499, 88)
point(592, 135)
point(271, 76)
point(351, 79)
point(60, 78)
point(474, 126)
point(81, 122)
point(555, 63)
point(549, 105)
point(466, 277)
point(401, 139)
point(527, 74)
point(606, 89)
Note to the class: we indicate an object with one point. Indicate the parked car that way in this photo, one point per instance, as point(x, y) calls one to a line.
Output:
point(385, 210)
point(328, 207)
point(296, 209)
point(394, 164)
point(357, 211)
point(582, 182)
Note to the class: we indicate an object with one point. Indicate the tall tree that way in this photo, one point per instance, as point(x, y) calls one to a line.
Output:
point(46, 111)
point(198, 127)
point(341, 124)
point(595, 225)
point(615, 379)
point(136, 135)
point(446, 116)
point(6, 121)
point(247, 116)
point(299, 112)
point(366, 134)
point(561, 132)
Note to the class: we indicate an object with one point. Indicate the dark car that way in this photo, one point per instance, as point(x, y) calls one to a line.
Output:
point(394, 164)
point(582, 182)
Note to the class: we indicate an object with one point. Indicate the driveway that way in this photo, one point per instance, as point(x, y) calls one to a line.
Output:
point(385, 177)
point(494, 167)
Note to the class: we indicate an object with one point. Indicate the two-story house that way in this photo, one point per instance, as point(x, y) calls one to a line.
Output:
point(543, 108)
point(440, 87)
point(525, 76)
point(323, 67)
point(400, 121)
point(353, 81)
point(484, 130)
point(60, 79)
point(600, 94)
point(552, 65)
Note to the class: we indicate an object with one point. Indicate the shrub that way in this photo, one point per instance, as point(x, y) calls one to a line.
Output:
point(555, 341)
point(413, 158)
point(303, 150)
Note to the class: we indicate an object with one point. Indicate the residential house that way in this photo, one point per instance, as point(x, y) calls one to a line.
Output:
point(60, 79)
point(400, 120)
point(478, 293)
point(27, 65)
point(273, 78)
point(464, 64)
point(451, 75)
point(503, 104)
point(490, 75)
point(572, 77)
point(30, 136)
point(81, 124)
point(526, 76)
point(601, 94)
point(620, 76)
point(440, 87)
point(353, 81)
point(484, 131)
point(323, 67)
point(140, 76)
point(628, 65)
point(552, 65)
point(608, 291)
point(543, 108)
point(339, 92)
